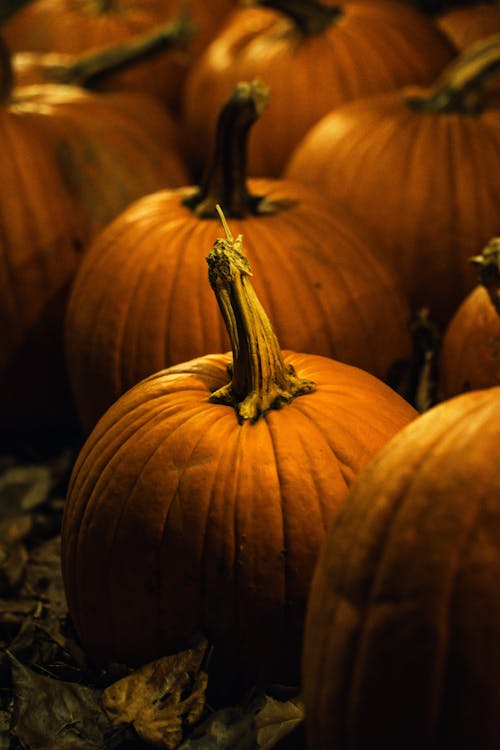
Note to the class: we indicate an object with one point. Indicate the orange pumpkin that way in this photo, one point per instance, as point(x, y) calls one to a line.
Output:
point(183, 516)
point(421, 169)
point(469, 24)
point(470, 353)
point(77, 26)
point(41, 239)
point(136, 64)
point(140, 303)
point(402, 636)
point(110, 148)
point(313, 57)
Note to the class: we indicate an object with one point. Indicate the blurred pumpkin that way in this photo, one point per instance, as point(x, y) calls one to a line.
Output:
point(41, 239)
point(470, 352)
point(111, 148)
point(469, 24)
point(122, 66)
point(421, 169)
point(313, 57)
point(183, 516)
point(140, 302)
point(402, 636)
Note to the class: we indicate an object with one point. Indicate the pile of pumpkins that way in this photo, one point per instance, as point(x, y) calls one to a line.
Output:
point(217, 227)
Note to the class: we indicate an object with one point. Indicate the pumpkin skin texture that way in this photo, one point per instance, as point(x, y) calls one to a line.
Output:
point(184, 516)
point(41, 239)
point(426, 184)
point(401, 645)
point(371, 47)
point(140, 301)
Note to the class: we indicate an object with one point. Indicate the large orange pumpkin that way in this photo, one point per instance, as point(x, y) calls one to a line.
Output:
point(111, 148)
point(183, 515)
point(470, 351)
point(313, 57)
point(402, 638)
point(140, 302)
point(421, 169)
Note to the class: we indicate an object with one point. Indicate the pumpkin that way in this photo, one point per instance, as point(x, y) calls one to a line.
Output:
point(41, 240)
point(122, 66)
point(76, 26)
point(110, 148)
point(421, 169)
point(469, 24)
point(470, 352)
point(199, 501)
point(139, 302)
point(402, 636)
point(313, 57)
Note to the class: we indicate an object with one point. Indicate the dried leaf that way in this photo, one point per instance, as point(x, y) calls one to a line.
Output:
point(276, 719)
point(43, 576)
point(50, 713)
point(13, 559)
point(227, 729)
point(161, 698)
point(23, 488)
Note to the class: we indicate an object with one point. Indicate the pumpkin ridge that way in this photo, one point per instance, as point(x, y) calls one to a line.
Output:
point(120, 514)
point(88, 454)
point(382, 544)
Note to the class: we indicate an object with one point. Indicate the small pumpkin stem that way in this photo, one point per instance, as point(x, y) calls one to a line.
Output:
point(260, 378)
point(6, 73)
point(488, 264)
point(309, 16)
point(96, 7)
point(459, 88)
point(89, 69)
point(225, 181)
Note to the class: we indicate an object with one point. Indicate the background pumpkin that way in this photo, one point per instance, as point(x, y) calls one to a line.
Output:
point(401, 645)
point(182, 515)
point(471, 23)
point(81, 25)
point(421, 169)
point(470, 352)
point(41, 240)
point(110, 148)
point(352, 50)
point(140, 302)
point(122, 66)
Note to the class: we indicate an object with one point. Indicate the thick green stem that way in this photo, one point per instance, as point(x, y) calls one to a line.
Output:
point(459, 88)
point(6, 73)
point(260, 378)
point(309, 16)
point(89, 69)
point(488, 264)
point(225, 180)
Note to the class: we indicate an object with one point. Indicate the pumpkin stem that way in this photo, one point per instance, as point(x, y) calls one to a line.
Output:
point(225, 181)
point(459, 88)
point(6, 73)
point(90, 68)
point(96, 7)
point(260, 378)
point(309, 16)
point(488, 264)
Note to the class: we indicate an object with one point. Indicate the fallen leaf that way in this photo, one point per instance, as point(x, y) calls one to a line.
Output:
point(227, 729)
point(50, 713)
point(276, 719)
point(160, 699)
